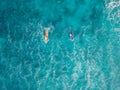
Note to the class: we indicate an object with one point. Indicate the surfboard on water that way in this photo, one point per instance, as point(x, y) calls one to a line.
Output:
point(46, 36)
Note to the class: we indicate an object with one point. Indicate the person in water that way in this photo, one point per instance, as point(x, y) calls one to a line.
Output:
point(46, 34)
point(70, 35)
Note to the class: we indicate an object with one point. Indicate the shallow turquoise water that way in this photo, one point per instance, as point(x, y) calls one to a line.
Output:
point(90, 62)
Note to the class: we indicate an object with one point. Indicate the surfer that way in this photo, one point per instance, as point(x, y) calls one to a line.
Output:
point(70, 35)
point(46, 34)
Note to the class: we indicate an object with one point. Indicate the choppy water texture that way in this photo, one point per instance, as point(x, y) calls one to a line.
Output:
point(90, 62)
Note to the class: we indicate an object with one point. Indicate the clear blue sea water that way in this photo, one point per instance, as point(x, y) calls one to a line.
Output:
point(90, 62)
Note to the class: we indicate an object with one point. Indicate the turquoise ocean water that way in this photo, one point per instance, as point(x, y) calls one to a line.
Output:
point(90, 62)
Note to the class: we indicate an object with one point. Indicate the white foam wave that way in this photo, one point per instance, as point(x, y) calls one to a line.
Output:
point(112, 13)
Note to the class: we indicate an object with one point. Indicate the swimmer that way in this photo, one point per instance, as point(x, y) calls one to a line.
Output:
point(46, 34)
point(70, 35)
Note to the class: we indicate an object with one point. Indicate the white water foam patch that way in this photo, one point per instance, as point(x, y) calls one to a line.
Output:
point(113, 57)
point(77, 57)
point(94, 76)
point(77, 71)
point(113, 13)
point(112, 4)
